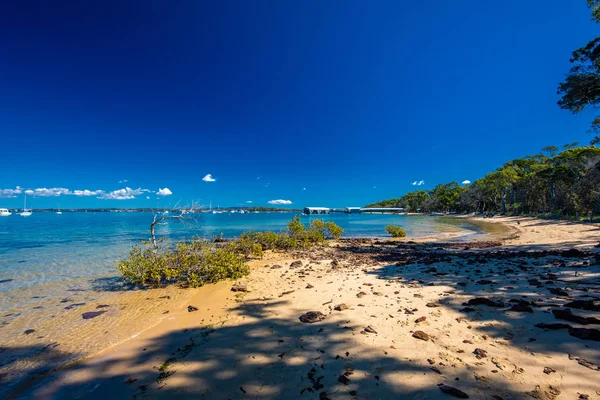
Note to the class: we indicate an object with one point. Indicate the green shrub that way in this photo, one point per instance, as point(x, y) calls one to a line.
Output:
point(335, 231)
point(395, 230)
point(195, 263)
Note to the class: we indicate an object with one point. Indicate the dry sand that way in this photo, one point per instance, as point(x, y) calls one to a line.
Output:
point(252, 344)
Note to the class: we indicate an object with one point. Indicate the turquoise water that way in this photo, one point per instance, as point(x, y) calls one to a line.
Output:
point(51, 254)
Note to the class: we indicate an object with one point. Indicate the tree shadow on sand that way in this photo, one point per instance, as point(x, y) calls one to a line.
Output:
point(268, 355)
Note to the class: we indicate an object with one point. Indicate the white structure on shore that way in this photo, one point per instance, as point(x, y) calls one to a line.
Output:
point(316, 210)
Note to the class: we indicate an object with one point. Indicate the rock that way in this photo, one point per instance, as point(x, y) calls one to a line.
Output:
point(558, 292)
point(420, 335)
point(92, 314)
point(552, 327)
point(568, 315)
point(312, 316)
point(361, 294)
point(276, 266)
point(6, 280)
point(548, 394)
point(452, 391)
point(572, 253)
point(585, 363)
point(480, 353)
point(239, 288)
point(369, 329)
point(485, 282)
point(521, 307)
point(585, 334)
point(309, 286)
point(420, 319)
point(485, 301)
point(192, 309)
point(588, 305)
point(432, 305)
point(435, 369)
point(334, 264)
point(296, 264)
point(341, 307)
point(548, 370)
point(343, 379)
point(29, 331)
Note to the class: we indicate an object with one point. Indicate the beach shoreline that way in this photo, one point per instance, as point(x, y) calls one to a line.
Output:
point(218, 306)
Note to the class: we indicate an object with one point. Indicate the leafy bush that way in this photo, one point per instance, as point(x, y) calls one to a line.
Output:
point(335, 231)
point(195, 263)
point(395, 230)
point(199, 261)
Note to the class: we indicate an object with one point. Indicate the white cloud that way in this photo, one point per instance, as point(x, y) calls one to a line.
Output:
point(280, 201)
point(44, 192)
point(249, 202)
point(466, 182)
point(123, 181)
point(303, 188)
point(10, 193)
point(164, 192)
point(123, 194)
point(418, 183)
point(208, 178)
point(147, 197)
point(87, 193)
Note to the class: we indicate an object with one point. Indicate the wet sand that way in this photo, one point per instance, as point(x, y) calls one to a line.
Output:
point(399, 319)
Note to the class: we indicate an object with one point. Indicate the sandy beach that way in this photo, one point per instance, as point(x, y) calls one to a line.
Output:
point(374, 319)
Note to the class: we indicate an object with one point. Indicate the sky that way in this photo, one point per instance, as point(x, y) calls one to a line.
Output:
point(311, 103)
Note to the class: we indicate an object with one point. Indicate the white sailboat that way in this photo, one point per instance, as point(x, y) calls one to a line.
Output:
point(59, 212)
point(26, 212)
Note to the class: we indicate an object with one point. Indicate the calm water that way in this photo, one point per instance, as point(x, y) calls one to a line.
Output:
point(50, 255)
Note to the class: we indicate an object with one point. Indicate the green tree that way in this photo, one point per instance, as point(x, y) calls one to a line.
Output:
point(581, 87)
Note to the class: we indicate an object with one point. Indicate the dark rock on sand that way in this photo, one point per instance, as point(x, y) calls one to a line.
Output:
point(485, 301)
point(92, 314)
point(588, 305)
point(548, 370)
point(296, 264)
point(572, 253)
point(341, 307)
point(370, 329)
point(239, 288)
point(420, 319)
point(192, 308)
point(29, 331)
point(420, 335)
point(568, 315)
point(452, 391)
point(312, 317)
point(480, 353)
point(522, 306)
point(585, 334)
point(552, 327)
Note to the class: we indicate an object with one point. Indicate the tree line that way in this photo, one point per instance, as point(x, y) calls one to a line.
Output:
point(559, 182)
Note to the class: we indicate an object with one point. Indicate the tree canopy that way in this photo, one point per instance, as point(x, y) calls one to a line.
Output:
point(565, 183)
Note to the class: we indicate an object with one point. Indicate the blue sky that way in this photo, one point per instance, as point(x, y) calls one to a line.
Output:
point(335, 103)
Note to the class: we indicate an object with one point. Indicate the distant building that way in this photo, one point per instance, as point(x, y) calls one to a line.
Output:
point(353, 210)
point(316, 210)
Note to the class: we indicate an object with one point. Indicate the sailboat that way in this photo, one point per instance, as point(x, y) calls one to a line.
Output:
point(26, 212)
point(59, 212)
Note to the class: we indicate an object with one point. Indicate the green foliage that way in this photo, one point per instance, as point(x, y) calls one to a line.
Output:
point(334, 231)
point(194, 263)
point(566, 183)
point(395, 230)
point(199, 261)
